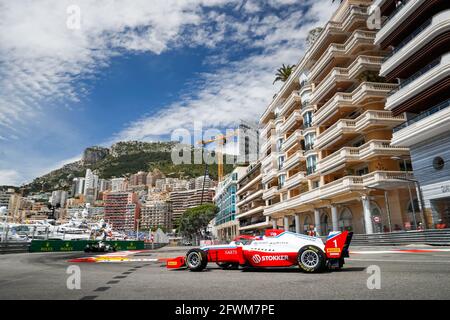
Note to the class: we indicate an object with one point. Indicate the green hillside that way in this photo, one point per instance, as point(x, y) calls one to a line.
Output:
point(121, 160)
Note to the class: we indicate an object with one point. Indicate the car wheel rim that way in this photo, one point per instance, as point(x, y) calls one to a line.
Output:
point(194, 259)
point(309, 258)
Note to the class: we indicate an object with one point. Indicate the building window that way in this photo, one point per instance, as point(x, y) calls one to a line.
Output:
point(311, 162)
point(309, 141)
point(281, 180)
point(438, 163)
point(307, 119)
point(280, 162)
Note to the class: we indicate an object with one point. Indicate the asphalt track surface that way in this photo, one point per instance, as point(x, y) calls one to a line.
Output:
point(404, 275)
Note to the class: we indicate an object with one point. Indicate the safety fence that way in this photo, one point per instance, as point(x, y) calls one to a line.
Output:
point(430, 237)
point(79, 245)
point(13, 247)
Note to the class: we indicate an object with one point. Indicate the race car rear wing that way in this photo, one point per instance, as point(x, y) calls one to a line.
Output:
point(337, 244)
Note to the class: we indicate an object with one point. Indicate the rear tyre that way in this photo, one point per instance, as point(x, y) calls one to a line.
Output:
point(311, 259)
point(196, 260)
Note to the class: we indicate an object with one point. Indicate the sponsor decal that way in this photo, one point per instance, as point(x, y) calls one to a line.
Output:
point(334, 250)
point(230, 251)
point(172, 263)
point(256, 258)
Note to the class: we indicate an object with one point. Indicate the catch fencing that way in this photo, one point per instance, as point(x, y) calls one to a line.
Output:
point(437, 237)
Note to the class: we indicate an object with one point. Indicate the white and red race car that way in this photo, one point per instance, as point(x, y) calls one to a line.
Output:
point(278, 248)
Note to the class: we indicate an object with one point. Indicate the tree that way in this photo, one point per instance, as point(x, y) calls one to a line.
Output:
point(283, 73)
point(195, 220)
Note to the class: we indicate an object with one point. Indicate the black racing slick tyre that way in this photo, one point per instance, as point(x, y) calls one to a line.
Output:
point(196, 260)
point(311, 259)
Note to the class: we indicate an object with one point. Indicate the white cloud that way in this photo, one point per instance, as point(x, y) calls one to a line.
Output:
point(42, 61)
point(240, 90)
point(9, 177)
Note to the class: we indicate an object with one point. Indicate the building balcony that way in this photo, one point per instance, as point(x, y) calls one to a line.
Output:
point(269, 175)
point(249, 198)
point(293, 118)
point(294, 138)
point(372, 119)
point(426, 125)
point(249, 185)
point(295, 180)
point(425, 78)
point(371, 149)
point(267, 144)
point(345, 129)
point(293, 160)
point(270, 193)
point(337, 53)
point(344, 77)
point(380, 148)
point(387, 179)
point(337, 159)
point(336, 131)
point(305, 93)
point(416, 42)
point(267, 128)
point(294, 97)
point(260, 224)
point(250, 212)
point(396, 18)
point(342, 102)
point(342, 186)
point(351, 18)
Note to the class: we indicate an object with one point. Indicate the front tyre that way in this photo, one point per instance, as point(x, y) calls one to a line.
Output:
point(196, 260)
point(311, 259)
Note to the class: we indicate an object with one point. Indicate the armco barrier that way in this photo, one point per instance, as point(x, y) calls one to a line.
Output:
point(79, 245)
point(430, 237)
point(13, 247)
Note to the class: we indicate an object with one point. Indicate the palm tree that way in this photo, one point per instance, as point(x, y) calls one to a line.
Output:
point(283, 73)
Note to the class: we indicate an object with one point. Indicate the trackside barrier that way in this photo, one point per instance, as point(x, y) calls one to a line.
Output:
point(13, 247)
point(439, 237)
point(155, 245)
point(79, 245)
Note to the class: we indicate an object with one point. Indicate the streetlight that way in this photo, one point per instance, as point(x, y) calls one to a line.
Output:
point(410, 193)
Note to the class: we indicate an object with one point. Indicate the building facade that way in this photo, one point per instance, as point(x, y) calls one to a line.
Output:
point(327, 159)
point(417, 36)
point(227, 225)
point(122, 210)
point(182, 200)
point(156, 214)
point(250, 205)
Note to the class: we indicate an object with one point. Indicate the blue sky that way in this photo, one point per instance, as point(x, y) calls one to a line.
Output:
point(136, 70)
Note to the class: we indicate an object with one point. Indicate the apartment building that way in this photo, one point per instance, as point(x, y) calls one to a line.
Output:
point(156, 214)
point(138, 179)
point(226, 224)
point(182, 200)
point(417, 36)
point(121, 209)
point(250, 204)
point(327, 159)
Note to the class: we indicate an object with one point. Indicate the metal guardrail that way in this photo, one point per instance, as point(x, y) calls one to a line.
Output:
point(14, 247)
point(439, 237)
point(155, 246)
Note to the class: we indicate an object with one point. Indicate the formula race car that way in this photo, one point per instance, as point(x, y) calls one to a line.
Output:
point(99, 246)
point(277, 248)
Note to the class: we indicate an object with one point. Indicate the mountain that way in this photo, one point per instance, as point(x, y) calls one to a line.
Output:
point(120, 160)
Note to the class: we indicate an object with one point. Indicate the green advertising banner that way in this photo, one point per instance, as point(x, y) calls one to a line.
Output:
point(79, 245)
